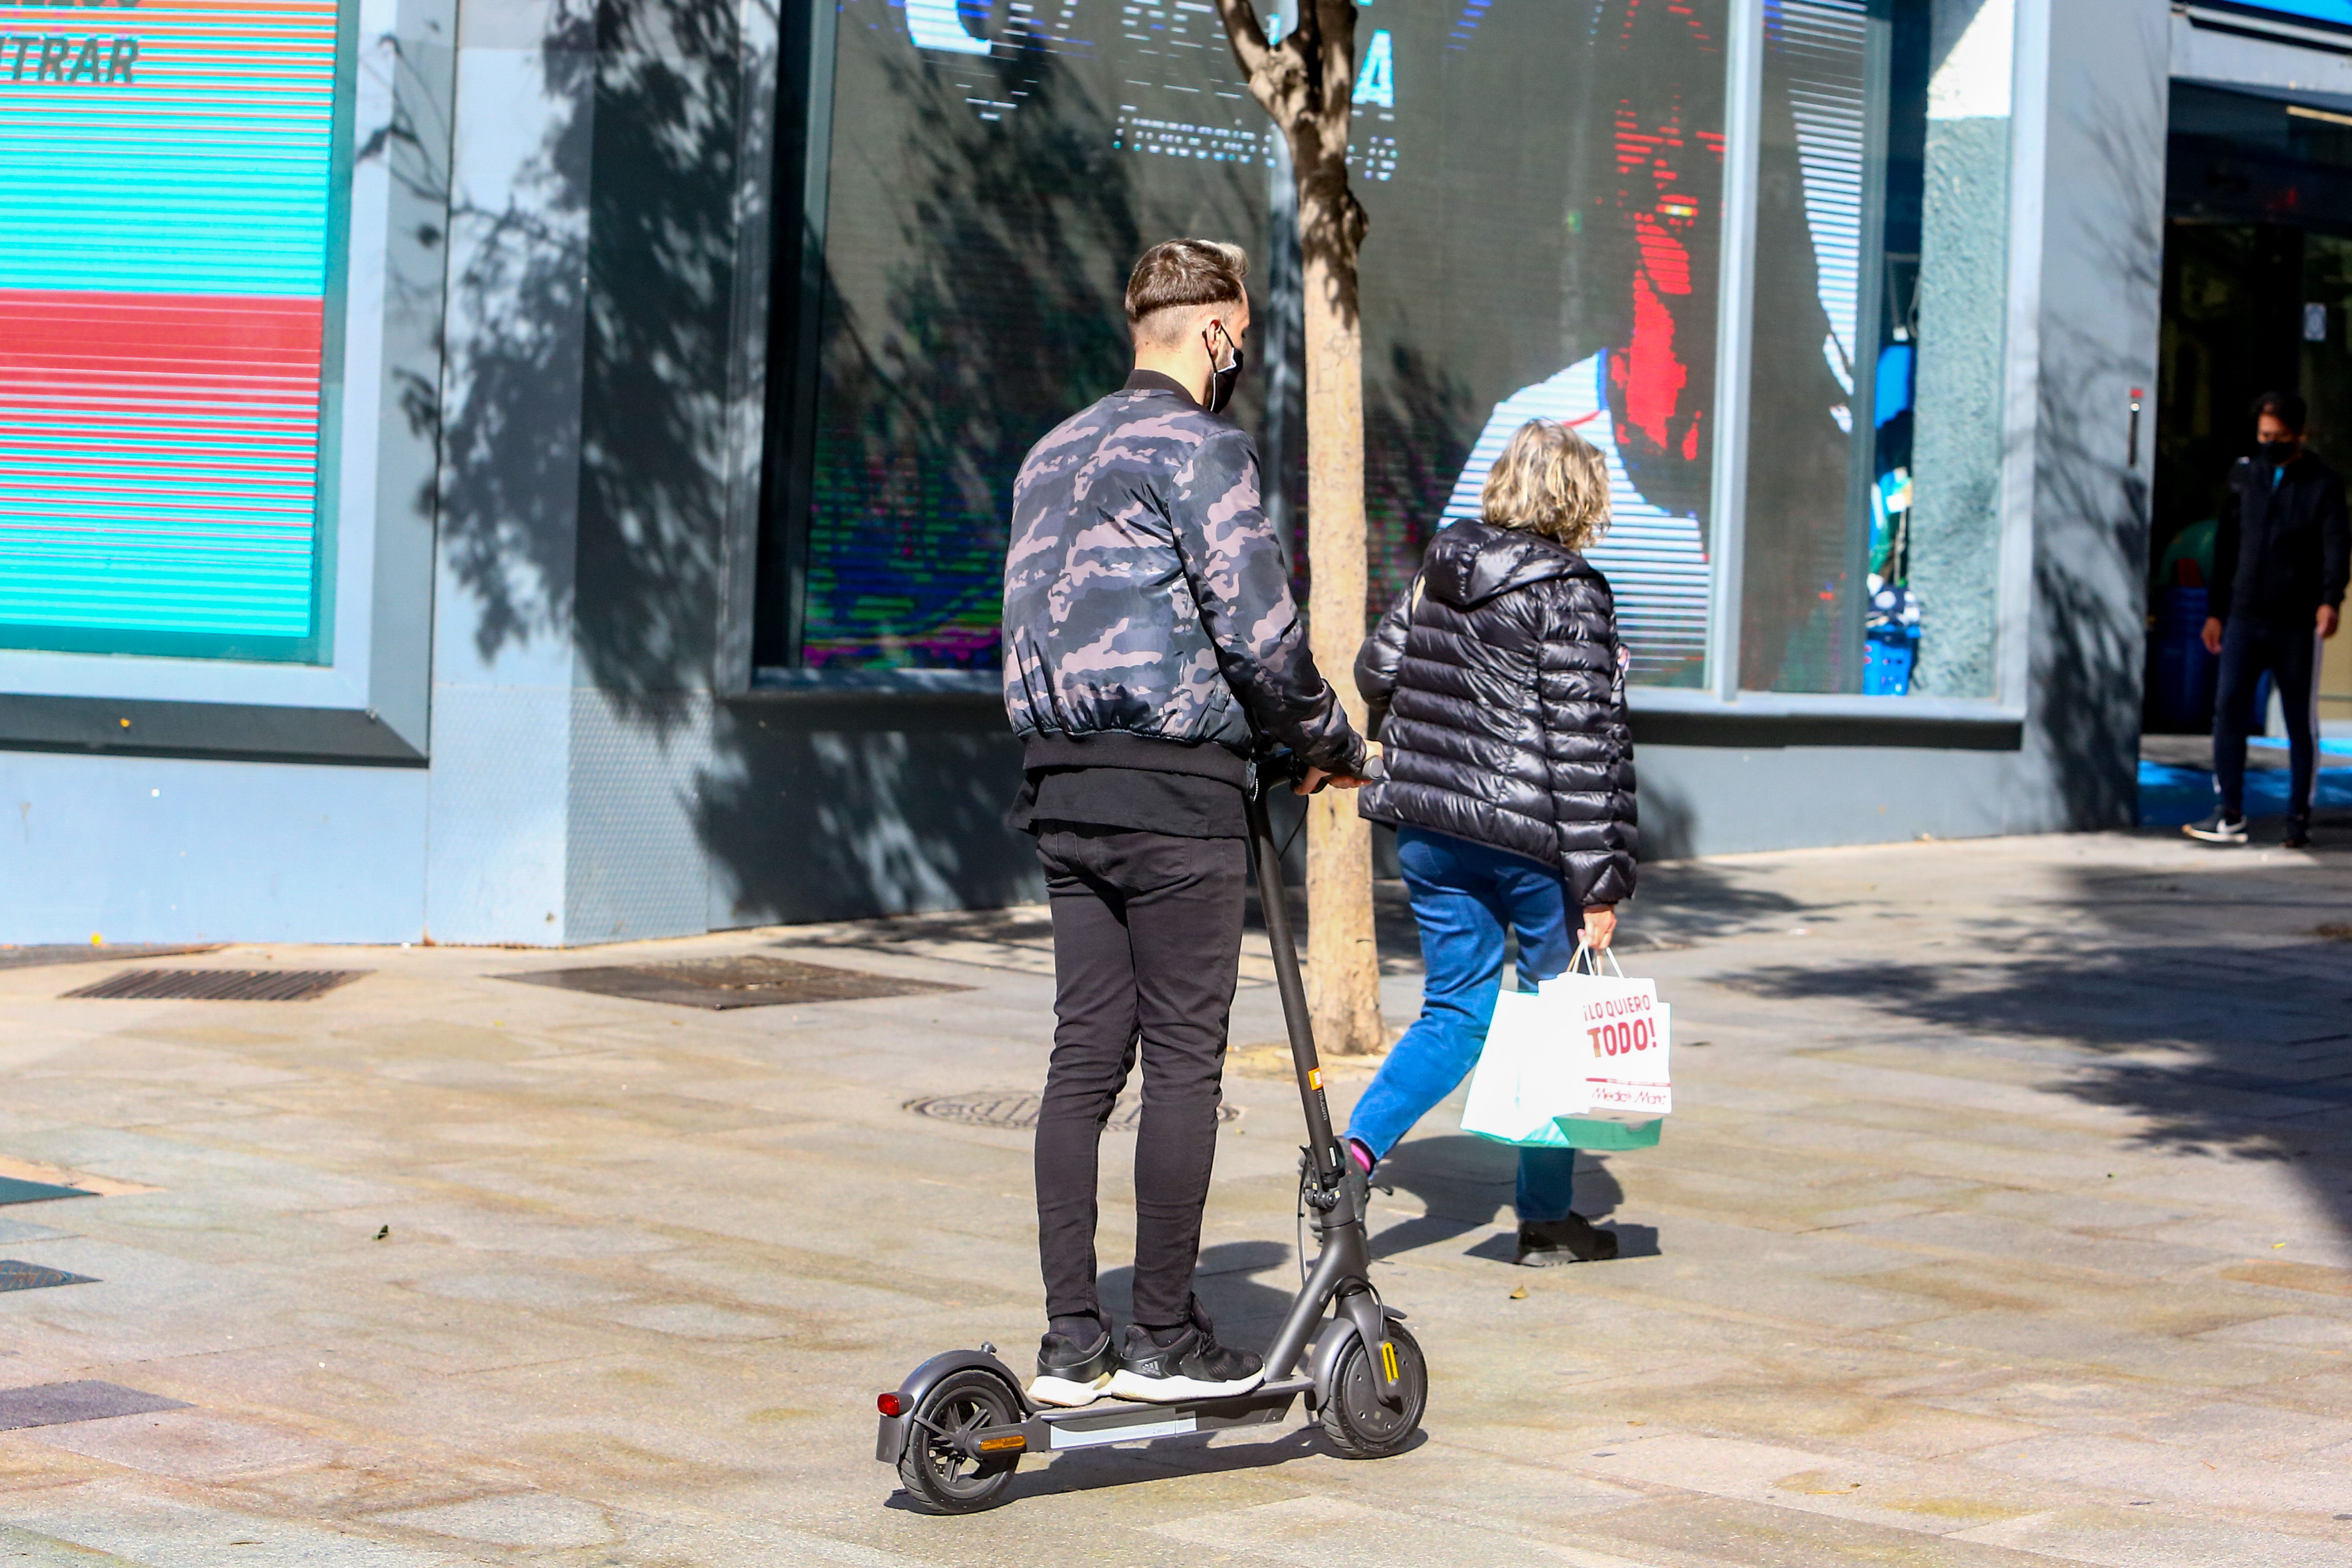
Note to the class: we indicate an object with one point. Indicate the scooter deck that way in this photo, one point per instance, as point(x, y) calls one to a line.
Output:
point(1127, 1421)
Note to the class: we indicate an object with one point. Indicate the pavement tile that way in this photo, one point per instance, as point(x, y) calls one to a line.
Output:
point(159, 1532)
point(189, 1445)
point(2152, 1537)
point(2302, 1329)
point(521, 1519)
point(2167, 1471)
point(2088, 1344)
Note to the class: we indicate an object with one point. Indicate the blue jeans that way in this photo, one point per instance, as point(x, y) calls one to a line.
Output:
point(1463, 895)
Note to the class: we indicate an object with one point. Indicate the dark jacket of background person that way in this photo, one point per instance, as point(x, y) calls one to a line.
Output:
point(1497, 692)
point(1147, 600)
point(2283, 550)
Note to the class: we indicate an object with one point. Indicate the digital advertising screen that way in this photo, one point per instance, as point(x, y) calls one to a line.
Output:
point(2337, 12)
point(164, 173)
point(1544, 182)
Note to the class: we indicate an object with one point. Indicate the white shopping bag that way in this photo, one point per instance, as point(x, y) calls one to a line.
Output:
point(1580, 1044)
point(1513, 1095)
point(1617, 1038)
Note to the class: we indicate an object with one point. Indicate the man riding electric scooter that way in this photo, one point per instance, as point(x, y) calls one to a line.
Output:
point(1150, 642)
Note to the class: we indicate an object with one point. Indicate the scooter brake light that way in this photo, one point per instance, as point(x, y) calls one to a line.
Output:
point(888, 1403)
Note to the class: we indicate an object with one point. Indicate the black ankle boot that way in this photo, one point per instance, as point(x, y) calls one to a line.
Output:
point(1571, 1240)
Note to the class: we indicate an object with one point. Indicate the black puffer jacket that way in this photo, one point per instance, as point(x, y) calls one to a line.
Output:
point(1497, 692)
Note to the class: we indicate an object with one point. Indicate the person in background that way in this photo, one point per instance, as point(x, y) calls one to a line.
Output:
point(2281, 558)
point(1496, 690)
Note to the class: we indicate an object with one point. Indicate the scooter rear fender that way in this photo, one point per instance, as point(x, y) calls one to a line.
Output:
point(1323, 1361)
point(890, 1440)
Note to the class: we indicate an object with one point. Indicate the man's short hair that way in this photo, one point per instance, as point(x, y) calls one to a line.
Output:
point(2286, 407)
point(1182, 274)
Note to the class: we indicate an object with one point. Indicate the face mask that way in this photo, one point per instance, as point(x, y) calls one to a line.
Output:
point(2276, 453)
point(1222, 377)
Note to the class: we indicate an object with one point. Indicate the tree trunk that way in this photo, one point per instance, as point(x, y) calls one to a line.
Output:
point(1304, 82)
point(1343, 969)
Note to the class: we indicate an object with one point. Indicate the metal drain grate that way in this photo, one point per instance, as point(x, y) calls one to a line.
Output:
point(218, 985)
point(13, 1190)
point(61, 1404)
point(16, 1276)
point(750, 980)
point(1018, 1108)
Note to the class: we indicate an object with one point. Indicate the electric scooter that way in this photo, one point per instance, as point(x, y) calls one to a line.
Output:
point(957, 1428)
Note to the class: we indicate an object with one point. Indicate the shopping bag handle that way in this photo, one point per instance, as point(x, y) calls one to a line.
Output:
point(1591, 959)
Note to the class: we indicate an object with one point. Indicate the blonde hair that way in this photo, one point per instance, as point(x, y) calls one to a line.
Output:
point(1550, 481)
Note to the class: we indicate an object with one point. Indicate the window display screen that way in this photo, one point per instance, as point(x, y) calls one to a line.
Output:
point(164, 169)
point(1544, 186)
point(2336, 11)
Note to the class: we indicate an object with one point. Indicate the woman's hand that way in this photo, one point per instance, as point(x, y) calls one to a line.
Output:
point(1600, 926)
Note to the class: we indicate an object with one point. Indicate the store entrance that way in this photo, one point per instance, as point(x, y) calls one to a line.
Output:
point(2257, 295)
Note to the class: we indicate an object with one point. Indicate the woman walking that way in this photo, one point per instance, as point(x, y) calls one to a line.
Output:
point(1497, 687)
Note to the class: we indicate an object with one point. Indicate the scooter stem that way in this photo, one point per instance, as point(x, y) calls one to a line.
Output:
point(1322, 1147)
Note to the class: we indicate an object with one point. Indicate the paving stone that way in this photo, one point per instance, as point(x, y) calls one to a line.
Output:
point(523, 1519)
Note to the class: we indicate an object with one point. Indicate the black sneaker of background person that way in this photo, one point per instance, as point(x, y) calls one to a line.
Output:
point(1571, 1240)
point(2297, 835)
point(2218, 828)
point(1072, 1371)
point(1158, 1366)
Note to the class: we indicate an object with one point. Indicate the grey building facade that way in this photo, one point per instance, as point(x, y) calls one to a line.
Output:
point(676, 349)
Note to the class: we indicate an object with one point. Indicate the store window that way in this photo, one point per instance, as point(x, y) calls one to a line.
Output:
point(1548, 248)
point(1545, 189)
point(166, 173)
point(995, 169)
point(1872, 533)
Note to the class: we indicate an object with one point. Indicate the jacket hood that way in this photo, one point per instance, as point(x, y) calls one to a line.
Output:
point(1471, 562)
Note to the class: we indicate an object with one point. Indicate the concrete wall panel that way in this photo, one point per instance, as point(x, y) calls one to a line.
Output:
point(182, 850)
point(820, 808)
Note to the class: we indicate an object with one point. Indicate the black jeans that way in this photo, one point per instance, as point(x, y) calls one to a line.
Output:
point(2249, 646)
point(1146, 944)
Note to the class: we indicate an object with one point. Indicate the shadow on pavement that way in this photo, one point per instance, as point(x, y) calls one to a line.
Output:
point(1467, 1183)
point(2152, 997)
point(1245, 1308)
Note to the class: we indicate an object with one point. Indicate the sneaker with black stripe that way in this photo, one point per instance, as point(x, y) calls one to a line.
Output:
point(1160, 1366)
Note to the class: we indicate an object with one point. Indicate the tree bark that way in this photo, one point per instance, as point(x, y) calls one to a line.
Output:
point(1343, 969)
point(1306, 82)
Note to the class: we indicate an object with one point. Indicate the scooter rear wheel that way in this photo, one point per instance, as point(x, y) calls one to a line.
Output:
point(934, 1465)
point(1357, 1424)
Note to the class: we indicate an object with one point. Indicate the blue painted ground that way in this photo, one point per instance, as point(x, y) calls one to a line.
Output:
point(2169, 795)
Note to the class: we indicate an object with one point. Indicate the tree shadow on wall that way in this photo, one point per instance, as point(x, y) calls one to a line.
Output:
point(845, 807)
point(624, 222)
point(511, 380)
point(1023, 228)
point(2090, 563)
point(599, 293)
point(1025, 224)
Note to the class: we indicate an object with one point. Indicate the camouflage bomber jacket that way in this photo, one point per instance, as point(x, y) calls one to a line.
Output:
point(1145, 593)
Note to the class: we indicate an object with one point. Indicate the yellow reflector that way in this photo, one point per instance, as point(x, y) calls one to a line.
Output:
point(1388, 1358)
point(1013, 1441)
point(1314, 1078)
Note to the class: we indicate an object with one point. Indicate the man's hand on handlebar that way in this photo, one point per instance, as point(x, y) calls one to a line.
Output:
point(1317, 778)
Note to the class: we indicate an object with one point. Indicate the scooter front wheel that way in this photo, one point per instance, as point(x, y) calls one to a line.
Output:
point(937, 1464)
point(1359, 1425)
